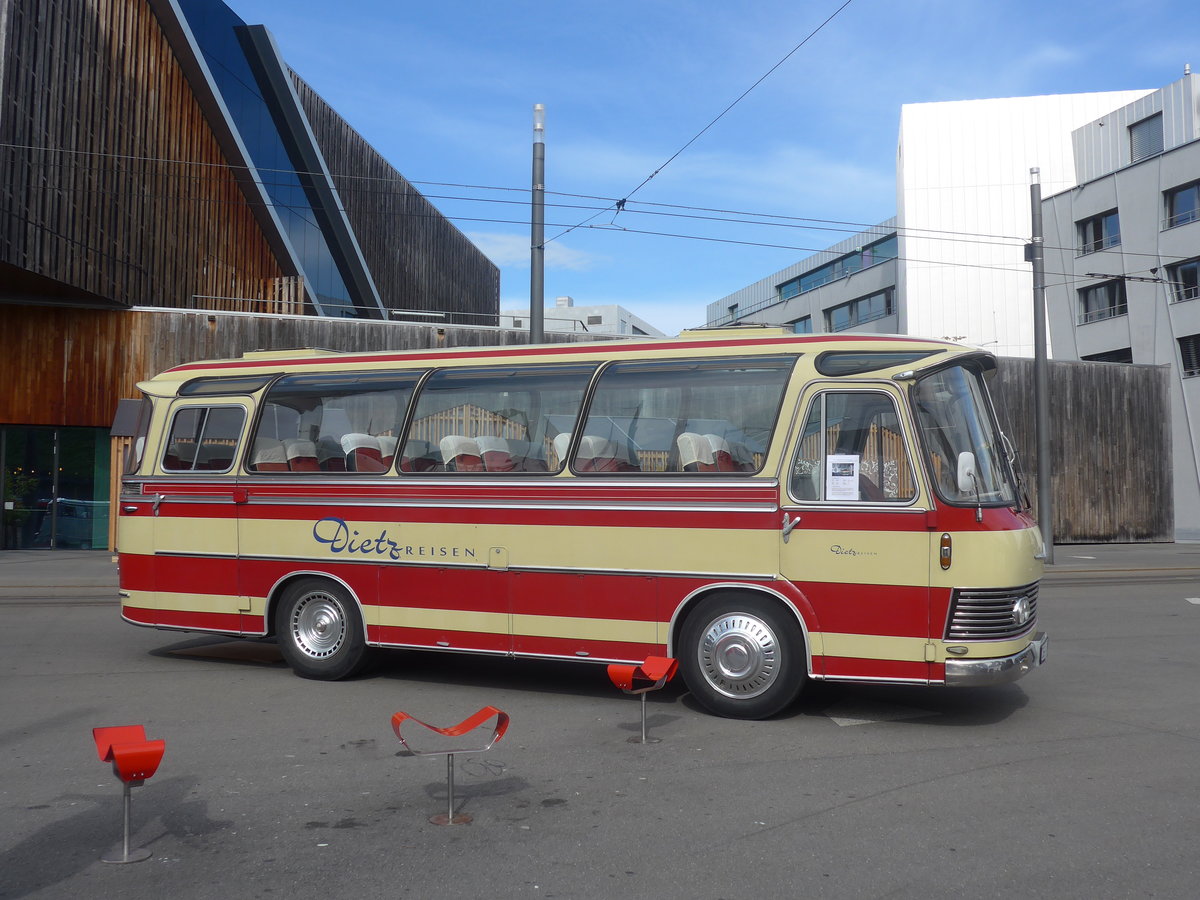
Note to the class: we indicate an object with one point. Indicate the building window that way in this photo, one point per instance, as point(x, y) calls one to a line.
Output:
point(1184, 280)
point(1189, 355)
point(1099, 232)
point(842, 267)
point(1124, 355)
point(1183, 204)
point(518, 323)
point(1146, 138)
point(595, 320)
point(803, 326)
point(1102, 301)
point(860, 311)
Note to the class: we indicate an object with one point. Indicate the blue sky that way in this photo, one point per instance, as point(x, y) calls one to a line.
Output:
point(445, 92)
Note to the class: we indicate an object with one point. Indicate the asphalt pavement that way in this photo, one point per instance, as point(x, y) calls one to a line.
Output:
point(1078, 781)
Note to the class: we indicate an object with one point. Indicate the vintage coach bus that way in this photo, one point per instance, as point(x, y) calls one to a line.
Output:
point(765, 507)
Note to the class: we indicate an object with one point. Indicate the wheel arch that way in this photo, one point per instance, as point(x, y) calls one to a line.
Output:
point(280, 587)
point(689, 603)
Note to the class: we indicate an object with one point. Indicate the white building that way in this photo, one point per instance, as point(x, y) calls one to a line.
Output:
point(566, 316)
point(956, 267)
point(1123, 243)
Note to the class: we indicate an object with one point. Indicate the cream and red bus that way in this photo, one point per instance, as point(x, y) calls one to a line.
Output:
point(765, 507)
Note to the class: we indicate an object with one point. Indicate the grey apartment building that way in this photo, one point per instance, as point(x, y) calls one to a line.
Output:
point(1123, 257)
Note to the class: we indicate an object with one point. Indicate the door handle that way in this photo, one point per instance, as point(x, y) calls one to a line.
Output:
point(158, 499)
point(788, 525)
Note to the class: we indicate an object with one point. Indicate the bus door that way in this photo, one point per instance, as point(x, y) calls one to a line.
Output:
point(195, 506)
point(854, 538)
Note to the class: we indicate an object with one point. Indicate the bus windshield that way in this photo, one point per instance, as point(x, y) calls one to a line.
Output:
point(962, 444)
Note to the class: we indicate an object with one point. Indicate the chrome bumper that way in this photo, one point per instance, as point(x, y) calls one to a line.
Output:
point(982, 672)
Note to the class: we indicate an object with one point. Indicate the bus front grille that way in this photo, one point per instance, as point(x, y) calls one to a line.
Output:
point(991, 614)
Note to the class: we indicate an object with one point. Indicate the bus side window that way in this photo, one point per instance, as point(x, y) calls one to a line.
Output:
point(332, 422)
point(695, 416)
point(852, 450)
point(204, 439)
point(495, 420)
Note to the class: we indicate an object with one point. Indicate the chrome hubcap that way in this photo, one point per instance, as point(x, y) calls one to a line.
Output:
point(739, 655)
point(319, 625)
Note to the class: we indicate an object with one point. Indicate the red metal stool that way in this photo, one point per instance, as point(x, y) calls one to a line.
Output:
point(466, 725)
point(134, 759)
point(651, 675)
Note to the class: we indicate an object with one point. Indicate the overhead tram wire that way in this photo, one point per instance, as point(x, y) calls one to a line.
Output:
point(619, 205)
point(744, 217)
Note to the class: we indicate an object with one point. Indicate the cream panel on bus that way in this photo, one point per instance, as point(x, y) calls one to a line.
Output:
point(749, 552)
point(856, 557)
point(991, 558)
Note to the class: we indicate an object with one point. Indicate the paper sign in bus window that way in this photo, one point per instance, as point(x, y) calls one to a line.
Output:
point(841, 476)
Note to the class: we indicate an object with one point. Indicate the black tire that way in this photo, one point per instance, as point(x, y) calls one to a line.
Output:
point(742, 656)
point(320, 630)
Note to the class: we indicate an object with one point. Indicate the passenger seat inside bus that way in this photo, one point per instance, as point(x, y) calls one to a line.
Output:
point(419, 456)
point(695, 453)
point(461, 454)
point(495, 454)
point(301, 455)
point(268, 455)
point(363, 453)
point(330, 455)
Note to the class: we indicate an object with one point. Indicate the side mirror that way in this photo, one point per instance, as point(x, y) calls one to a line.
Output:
point(968, 477)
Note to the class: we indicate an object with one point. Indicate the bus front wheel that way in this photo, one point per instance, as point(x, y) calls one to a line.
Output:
point(742, 656)
point(320, 631)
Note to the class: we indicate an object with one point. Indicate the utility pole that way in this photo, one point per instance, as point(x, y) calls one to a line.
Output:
point(537, 237)
point(1041, 380)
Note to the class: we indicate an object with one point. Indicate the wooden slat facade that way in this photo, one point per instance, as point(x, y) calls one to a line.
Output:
point(419, 259)
point(65, 366)
point(114, 184)
point(1110, 447)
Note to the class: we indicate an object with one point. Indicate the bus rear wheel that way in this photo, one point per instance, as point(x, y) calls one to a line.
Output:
point(742, 656)
point(320, 631)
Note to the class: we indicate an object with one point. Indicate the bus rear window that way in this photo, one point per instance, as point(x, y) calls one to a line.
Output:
point(694, 415)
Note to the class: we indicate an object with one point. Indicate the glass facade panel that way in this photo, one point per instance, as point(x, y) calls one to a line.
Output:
point(215, 26)
point(55, 488)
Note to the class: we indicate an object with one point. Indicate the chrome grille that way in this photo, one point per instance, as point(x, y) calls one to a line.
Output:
point(991, 614)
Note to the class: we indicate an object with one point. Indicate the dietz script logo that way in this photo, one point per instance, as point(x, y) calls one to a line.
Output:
point(341, 538)
point(839, 550)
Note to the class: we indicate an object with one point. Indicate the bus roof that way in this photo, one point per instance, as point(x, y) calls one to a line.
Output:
point(716, 342)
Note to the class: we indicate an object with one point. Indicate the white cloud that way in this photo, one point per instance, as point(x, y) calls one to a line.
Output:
point(512, 250)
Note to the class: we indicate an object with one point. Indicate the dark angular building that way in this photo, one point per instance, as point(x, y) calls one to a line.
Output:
point(161, 155)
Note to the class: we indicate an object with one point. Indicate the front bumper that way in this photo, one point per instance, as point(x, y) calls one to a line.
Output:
point(983, 672)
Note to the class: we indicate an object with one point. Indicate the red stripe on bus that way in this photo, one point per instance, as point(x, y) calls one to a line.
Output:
point(869, 609)
point(454, 515)
point(228, 623)
point(433, 638)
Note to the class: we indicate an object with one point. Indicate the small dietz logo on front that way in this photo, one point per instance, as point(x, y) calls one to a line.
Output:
point(839, 550)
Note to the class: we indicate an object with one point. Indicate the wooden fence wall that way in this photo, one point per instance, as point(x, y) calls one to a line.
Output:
point(1110, 447)
point(64, 366)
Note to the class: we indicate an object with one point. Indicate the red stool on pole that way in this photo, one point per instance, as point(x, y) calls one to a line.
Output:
point(134, 759)
point(651, 675)
point(468, 724)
